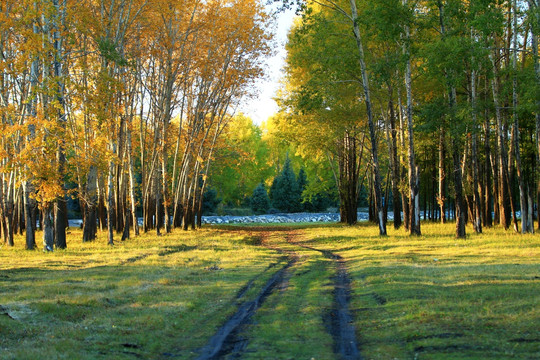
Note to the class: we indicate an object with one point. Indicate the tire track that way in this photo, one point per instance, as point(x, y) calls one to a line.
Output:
point(340, 317)
point(228, 340)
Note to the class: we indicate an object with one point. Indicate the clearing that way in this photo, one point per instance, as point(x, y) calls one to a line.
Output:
point(276, 292)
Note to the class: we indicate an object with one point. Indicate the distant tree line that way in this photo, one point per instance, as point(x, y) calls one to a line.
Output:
point(255, 163)
point(286, 195)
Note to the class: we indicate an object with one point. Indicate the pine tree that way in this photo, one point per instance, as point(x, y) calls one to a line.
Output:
point(285, 195)
point(260, 203)
point(210, 201)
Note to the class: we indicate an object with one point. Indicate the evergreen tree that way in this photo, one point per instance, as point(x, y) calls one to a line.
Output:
point(210, 201)
point(284, 190)
point(260, 203)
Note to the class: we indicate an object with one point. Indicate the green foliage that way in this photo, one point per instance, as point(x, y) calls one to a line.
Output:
point(241, 163)
point(313, 198)
point(109, 52)
point(260, 202)
point(210, 201)
point(302, 184)
point(284, 192)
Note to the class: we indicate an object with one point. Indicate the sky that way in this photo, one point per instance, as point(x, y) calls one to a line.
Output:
point(262, 106)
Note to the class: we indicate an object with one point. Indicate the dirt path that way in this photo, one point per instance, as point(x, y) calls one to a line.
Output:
point(228, 340)
point(340, 318)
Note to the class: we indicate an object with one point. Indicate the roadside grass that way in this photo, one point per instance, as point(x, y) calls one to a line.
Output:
point(150, 297)
point(436, 297)
point(426, 297)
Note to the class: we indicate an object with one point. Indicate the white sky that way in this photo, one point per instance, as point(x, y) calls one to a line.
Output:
point(262, 106)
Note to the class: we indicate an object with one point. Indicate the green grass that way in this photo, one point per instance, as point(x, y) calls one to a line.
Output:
point(149, 296)
point(291, 322)
point(435, 297)
point(427, 297)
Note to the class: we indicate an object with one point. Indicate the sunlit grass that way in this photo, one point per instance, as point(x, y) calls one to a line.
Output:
point(426, 297)
point(291, 324)
point(436, 297)
point(150, 295)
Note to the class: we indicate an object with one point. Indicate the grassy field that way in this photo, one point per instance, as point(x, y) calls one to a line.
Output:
point(428, 297)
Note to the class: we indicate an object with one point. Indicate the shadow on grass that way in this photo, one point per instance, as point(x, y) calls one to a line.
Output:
point(473, 311)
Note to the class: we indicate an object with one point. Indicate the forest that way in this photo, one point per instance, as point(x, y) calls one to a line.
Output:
point(119, 105)
point(436, 103)
point(125, 115)
point(429, 109)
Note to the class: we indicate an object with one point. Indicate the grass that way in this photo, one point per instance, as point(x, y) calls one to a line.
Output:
point(435, 297)
point(427, 297)
point(151, 296)
point(291, 322)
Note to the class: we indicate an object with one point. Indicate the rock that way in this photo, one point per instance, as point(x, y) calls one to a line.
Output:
point(280, 218)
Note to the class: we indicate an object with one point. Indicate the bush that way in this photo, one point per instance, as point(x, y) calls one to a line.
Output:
point(237, 211)
point(318, 203)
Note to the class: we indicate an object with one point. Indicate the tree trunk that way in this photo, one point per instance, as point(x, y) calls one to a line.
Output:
point(525, 227)
point(488, 208)
point(503, 195)
point(6, 199)
point(414, 178)
point(28, 210)
point(133, 200)
point(372, 135)
point(348, 181)
point(511, 175)
point(110, 200)
point(158, 203)
point(533, 8)
point(404, 199)
point(60, 206)
point(477, 221)
point(29, 203)
point(442, 154)
point(127, 225)
point(458, 177)
point(460, 208)
point(102, 211)
point(166, 222)
point(60, 223)
point(48, 227)
point(90, 208)
point(394, 161)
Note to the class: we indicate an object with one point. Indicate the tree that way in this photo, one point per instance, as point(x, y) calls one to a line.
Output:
point(324, 116)
point(369, 110)
point(302, 183)
point(284, 191)
point(79, 80)
point(260, 203)
point(210, 201)
point(241, 160)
